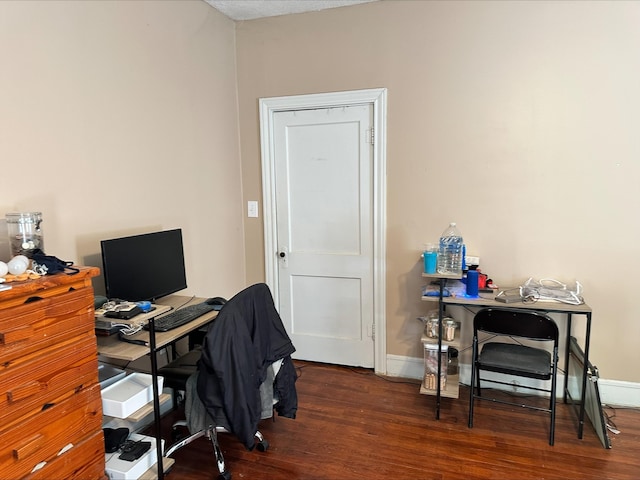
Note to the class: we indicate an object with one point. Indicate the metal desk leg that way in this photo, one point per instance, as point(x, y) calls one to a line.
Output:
point(567, 352)
point(156, 397)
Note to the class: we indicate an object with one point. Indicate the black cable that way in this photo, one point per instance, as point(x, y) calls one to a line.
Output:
point(124, 338)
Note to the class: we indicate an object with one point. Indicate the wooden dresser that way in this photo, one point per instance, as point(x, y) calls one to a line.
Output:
point(50, 404)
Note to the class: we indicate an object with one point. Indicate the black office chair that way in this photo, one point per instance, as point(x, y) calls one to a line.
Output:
point(242, 372)
point(515, 358)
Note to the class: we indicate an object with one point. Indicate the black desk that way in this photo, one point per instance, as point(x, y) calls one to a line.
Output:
point(545, 307)
point(112, 347)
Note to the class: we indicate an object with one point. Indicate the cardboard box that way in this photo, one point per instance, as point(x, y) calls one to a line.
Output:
point(118, 469)
point(129, 394)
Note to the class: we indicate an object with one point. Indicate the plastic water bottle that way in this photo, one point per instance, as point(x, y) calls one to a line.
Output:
point(450, 251)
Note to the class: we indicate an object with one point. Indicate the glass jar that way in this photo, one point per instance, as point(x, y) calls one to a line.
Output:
point(25, 233)
point(432, 322)
point(431, 327)
point(431, 366)
point(449, 329)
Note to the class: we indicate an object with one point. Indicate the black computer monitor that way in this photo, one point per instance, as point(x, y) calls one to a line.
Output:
point(144, 267)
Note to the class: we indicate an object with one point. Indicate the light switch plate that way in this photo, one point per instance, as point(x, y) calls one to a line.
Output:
point(252, 209)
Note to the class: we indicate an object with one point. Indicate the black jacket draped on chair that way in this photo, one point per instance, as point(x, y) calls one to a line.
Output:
point(241, 343)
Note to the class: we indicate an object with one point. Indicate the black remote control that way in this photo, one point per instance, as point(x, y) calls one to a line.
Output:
point(134, 450)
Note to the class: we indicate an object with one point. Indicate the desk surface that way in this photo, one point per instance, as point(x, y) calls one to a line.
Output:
point(487, 300)
point(112, 347)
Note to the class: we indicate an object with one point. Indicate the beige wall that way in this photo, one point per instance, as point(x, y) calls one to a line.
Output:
point(518, 120)
point(121, 118)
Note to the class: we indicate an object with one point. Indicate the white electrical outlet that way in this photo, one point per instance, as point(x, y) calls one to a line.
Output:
point(252, 209)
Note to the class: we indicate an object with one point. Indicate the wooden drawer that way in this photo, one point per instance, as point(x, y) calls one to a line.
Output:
point(47, 286)
point(56, 436)
point(42, 322)
point(84, 461)
point(30, 383)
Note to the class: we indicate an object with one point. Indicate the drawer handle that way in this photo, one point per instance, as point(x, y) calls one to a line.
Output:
point(29, 447)
point(15, 335)
point(32, 299)
point(24, 391)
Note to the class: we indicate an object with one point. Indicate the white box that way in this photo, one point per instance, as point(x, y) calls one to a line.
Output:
point(108, 374)
point(118, 469)
point(126, 396)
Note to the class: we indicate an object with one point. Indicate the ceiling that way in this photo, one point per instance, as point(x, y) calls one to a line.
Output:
point(251, 9)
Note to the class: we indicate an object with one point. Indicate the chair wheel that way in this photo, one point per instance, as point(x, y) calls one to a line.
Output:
point(262, 446)
point(226, 475)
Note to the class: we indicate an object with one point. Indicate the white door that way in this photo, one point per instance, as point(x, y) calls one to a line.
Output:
point(324, 225)
point(322, 230)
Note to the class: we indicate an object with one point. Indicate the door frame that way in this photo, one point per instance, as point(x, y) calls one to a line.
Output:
point(378, 99)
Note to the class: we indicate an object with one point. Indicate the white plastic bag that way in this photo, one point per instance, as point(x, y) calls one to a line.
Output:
point(548, 289)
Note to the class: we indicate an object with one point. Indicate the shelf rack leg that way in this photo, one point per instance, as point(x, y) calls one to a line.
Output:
point(440, 317)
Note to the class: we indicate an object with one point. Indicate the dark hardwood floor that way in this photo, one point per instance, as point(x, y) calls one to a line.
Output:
point(352, 424)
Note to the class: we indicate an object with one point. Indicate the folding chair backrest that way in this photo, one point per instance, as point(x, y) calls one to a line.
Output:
point(519, 323)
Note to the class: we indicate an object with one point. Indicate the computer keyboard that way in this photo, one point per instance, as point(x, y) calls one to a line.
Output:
point(181, 316)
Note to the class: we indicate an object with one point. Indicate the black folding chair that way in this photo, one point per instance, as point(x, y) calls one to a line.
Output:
point(515, 358)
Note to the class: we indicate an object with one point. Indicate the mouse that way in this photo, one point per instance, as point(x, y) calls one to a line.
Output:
point(217, 302)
